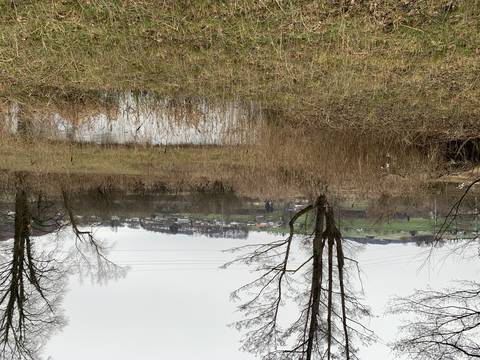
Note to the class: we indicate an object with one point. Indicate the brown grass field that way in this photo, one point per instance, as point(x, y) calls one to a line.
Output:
point(408, 68)
point(341, 84)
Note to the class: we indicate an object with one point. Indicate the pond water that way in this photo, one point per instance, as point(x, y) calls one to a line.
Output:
point(174, 300)
point(137, 118)
point(122, 276)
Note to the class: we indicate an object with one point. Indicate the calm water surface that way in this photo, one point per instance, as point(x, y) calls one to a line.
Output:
point(173, 301)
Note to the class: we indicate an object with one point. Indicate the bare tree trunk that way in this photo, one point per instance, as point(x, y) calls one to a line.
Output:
point(317, 326)
point(317, 274)
point(332, 234)
point(330, 297)
point(340, 263)
point(16, 292)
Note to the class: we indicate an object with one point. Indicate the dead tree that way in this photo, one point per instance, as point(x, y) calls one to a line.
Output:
point(90, 254)
point(453, 213)
point(33, 278)
point(329, 312)
point(31, 289)
point(442, 324)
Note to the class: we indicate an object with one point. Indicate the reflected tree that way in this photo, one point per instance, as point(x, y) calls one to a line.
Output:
point(33, 274)
point(328, 323)
point(444, 324)
point(454, 212)
point(90, 253)
point(31, 288)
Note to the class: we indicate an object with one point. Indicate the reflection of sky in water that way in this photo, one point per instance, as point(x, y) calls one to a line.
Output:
point(396, 270)
point(158, 122)
point(174, 301)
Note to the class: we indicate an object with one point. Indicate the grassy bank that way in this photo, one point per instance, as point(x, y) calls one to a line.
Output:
point(408, 67)
point(279, 166)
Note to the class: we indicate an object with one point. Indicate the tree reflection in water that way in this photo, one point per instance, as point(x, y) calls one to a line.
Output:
point(88, 257)
point(33, 274)
point(442, 324)
point(328, 324)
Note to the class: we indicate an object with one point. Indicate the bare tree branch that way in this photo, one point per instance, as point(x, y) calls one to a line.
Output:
point(444, 324)
point(319, 331)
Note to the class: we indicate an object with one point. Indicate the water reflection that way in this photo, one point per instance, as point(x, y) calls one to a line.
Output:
point(32, 282)
point(306, 301)
point(443, 324)
point(137, 118)
point(33, 273)
point(329, 321)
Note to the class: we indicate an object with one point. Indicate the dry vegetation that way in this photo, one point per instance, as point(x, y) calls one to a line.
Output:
point(406, 67)
point(344, 87)
point(285, 162)
point(273, 159)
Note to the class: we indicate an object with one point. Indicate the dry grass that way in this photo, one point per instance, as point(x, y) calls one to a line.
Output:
point(340, 84)
point(283, 163)
point(404, 67)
